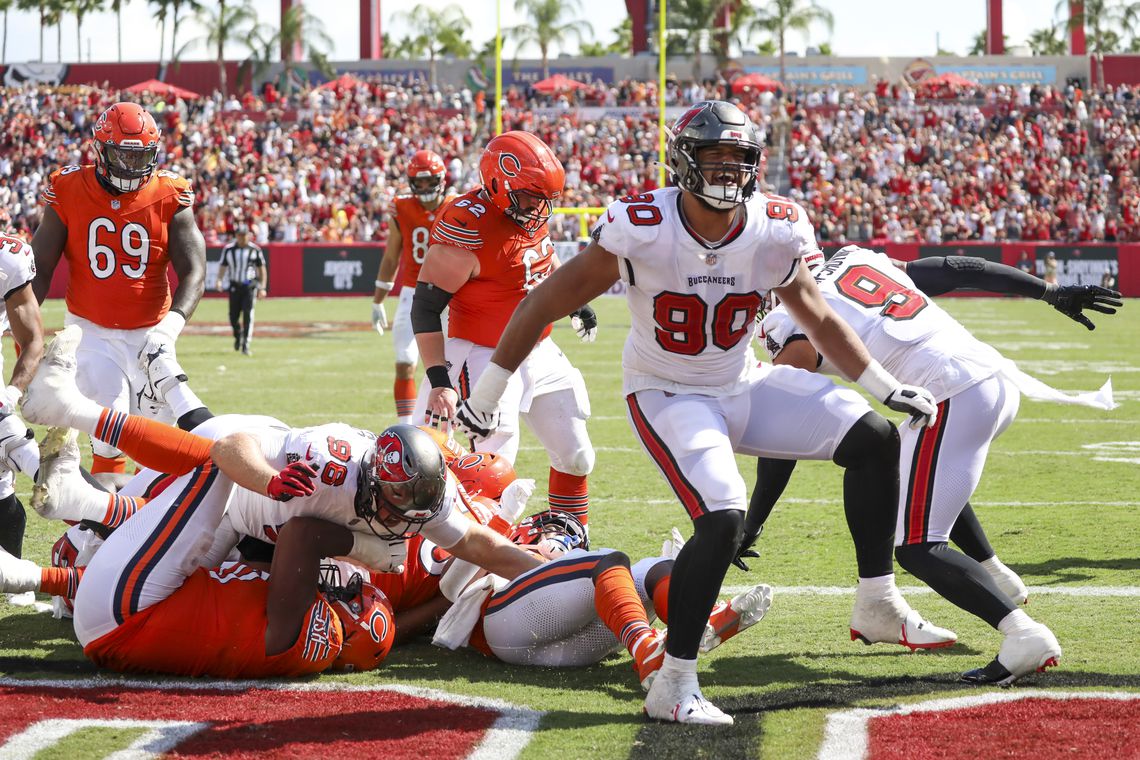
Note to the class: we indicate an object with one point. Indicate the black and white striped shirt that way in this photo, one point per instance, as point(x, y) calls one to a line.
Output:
point(241, 262)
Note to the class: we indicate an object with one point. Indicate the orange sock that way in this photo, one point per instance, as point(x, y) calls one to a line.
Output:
point(619, 606)
point(569, 493)
point(405, 393)
point(152, 444)
point(119, 508)
point(661, 599)
point(108, 464)
point(60, 581)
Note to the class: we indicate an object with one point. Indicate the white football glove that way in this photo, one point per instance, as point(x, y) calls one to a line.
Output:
point(915, 401)
point(379, 318)
point(13, 434)
point(378, 554)
point(161, 336)
point(585, 323)
point(476, 423)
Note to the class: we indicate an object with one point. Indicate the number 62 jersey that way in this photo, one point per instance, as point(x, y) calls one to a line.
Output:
point(693, 303)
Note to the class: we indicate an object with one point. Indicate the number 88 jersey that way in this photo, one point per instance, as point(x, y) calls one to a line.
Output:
point(117, 245)
point(693, 303)
point(415, 223)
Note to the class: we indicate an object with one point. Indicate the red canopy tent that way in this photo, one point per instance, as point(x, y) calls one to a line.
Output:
point(343, 82)
point(557, 83)
point(756, 83)
point(948, 82)
point(163, 88)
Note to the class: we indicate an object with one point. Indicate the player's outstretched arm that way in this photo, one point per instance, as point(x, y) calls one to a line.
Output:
point(484, 547)
point(28, 332)
point(47, 244)
point(301, 544)
point(188, 257)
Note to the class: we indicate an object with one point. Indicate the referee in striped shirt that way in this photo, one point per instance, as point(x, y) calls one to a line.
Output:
point(245, 264)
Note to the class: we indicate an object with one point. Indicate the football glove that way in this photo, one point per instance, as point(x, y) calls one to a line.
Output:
point(1071, 299)
point(585, 323)
point(915, 401)
point(476, 423)
point(746, 551)
point(161, 337)
point(379, 318)
point(378, 554)
point(295, 479)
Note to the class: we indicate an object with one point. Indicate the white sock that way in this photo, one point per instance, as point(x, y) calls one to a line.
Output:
point(18, 575)
point(83, 414)
point(677, 668)
point(993, 565)
point(406, 420)
point(879, 587)
point(1015, 622)
point(182, 399)
point(26, 458)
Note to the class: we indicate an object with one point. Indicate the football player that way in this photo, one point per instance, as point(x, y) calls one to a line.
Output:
point(978, 393)
point(698, 259)
point(382, 488)
point(20, 313)
point(119, 223)
point(409, 233)
point(490, 248)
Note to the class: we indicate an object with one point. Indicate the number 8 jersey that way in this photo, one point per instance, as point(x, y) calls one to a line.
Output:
point(116, 246)
point(693, 303)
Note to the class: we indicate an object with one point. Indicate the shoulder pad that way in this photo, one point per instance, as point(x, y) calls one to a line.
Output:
point(628, 223)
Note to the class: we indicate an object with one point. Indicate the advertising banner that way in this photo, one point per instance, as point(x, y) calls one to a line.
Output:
point(340, 270)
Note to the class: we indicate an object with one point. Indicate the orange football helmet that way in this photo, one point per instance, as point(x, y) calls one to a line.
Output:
point(482, 473)
point(126, 147)
point(522, 177)
point(448, 446)
point(427, 176)
point(368, 619)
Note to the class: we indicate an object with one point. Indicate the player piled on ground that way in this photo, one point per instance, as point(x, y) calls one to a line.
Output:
point(409, 233)
point(978, 393)
point(490, 248)
point(119, 223)
point(698, 260)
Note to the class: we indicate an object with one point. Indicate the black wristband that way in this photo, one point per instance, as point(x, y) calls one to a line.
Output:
point(438, 376)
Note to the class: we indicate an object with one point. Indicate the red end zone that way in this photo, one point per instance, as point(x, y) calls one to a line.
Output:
point(246, 720)
point(1042, 725)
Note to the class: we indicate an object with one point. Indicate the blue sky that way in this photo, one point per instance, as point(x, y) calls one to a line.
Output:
point(862, 27)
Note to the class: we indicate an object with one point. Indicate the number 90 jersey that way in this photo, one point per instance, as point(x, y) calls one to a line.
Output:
point(415, 223)
point(511, 264)
point(117, 245)
point(902, 327)
point(693, 304)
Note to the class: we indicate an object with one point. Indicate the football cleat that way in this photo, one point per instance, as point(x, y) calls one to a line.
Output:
point(672, 546)
point(675, 702)
point(61, 493)
point(648, 657)
point(52, 394)
point(892, 621)
point(1021, 653)
point(1008, 581)
point(18, 576)
point(740, 614)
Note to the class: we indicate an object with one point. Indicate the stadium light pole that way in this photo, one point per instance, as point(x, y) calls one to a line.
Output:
point(661, 93)
point(498, 67)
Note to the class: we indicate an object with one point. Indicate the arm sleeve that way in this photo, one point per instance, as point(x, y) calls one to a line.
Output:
point(941, 274)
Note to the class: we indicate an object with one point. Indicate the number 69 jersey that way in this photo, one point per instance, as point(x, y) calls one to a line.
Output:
point(693, 303)
point(117, 245)
point(904, 329)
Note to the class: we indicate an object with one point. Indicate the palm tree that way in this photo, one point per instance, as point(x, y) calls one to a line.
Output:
point(694, 20)
point(161, 10)
point(82, 8)
point(550, 22)
point(779, 17)
point(224, 25)
point(53, 11)
point(623, 33)
point(176, 7)
point(1047, 41)
point(299, 28)
point(40, 7)
point(117, 7)
point(436, 32)
point(1106, 23)
point(5, 6)
point(978, 45)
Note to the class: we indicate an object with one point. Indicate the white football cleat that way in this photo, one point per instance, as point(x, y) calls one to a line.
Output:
point(18, 576)
point(1008, 581)
point(675, 702)
point(52, 393)
point(672, 546)
point(892, 621)
point(61, 493)
point(740, 614)
point(1021, 653)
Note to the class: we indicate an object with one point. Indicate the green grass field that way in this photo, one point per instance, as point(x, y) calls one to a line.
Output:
point(1059, 500)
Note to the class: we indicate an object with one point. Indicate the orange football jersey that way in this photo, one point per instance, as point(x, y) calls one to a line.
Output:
point(214, 625)
point(116, 246)
point(415, 223)
point(419, 582)
point(510, 265)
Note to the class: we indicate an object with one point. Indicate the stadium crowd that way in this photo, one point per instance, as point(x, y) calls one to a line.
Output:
point(322, 164)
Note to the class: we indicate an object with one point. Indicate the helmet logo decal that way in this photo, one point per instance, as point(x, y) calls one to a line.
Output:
point(390, 452)
point(378, 625)
point(509, 158)
point(688, 116)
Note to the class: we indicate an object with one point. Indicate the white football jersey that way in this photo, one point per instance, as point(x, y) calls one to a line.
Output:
point(903, 328)
point(693, 304)
point(17, 268)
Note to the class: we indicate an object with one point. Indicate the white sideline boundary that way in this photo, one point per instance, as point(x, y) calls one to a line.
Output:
point(1071, 591)
point(507, 737)
point(845, 734)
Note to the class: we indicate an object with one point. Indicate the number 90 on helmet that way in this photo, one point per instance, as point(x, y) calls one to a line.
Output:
point(402, 483)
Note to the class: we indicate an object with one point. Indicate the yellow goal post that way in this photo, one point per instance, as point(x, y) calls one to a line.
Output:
point(583, 213)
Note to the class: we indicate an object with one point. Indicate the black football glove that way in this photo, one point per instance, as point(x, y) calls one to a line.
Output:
point(585, 323)
point(746, 551)
point(1071, 299)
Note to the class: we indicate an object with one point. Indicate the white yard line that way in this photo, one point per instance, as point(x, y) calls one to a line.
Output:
point(1074, 591)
